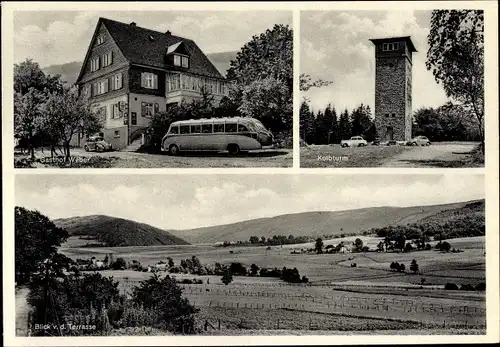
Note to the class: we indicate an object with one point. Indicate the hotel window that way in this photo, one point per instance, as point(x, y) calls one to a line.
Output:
point(101, 39)
point(117, 81)
point(149, 80)
point(100, 87)
point(117, 133)
point(173, 82)
point(94, 64)
point(107, 59)
point(185, 62)
point(148, 109)
point(116, 111)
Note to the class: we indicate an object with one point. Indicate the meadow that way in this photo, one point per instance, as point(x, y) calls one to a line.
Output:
point(339, 297)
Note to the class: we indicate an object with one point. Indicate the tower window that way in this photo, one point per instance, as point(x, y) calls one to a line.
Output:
point(387, 115)
point(390, 46)
point(393, 115)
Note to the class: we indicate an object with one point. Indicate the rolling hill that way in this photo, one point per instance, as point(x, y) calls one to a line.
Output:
point(323, 222)
point(117, 232)
point(69, 71)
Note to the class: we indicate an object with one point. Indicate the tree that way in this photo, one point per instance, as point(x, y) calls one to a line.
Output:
point(254, 270)
point(344, 126)
point(456, 57)
point(263, 239)
point(358, 243)
point(119, 264)
point(36, 241)
point(263, 76)
point(28, 116)
point(66, 114)
point(165, 296)
point(414, 266)
point(170, 262)
point(402, 267)
point(270, 101)
point(319, 245)
point(227, 277)
point(408, 247)
point(400, 241)
point(306, 82)
point(307, 123)
point(269, 54)
point(28, 74)
point(380, 246)
point(254, 239)
point(361, 121)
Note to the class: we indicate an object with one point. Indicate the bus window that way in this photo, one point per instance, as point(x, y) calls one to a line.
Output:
point(231, 127)
point(174, 130)
point(195, 129)
point(242, 128)
point(184, 129)
point(218, 128)
point(206, 128)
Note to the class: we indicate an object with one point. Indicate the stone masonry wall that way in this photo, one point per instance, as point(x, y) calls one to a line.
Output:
point(391, 97)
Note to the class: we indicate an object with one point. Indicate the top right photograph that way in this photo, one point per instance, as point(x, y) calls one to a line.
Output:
point(392, 89)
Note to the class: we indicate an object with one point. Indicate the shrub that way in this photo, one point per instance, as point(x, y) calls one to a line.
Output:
point(237, 269)
point(468, 287)
point(119, 264)
point(414, 266)
point(70, 296)
point(290, 275)
point(305, 279)
point(450, 286)
point(409, 247)
point(175, 313)
point(428, 247)
point(443, 246)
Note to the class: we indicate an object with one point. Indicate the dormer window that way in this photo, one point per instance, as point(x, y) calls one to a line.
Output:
point(181, 61)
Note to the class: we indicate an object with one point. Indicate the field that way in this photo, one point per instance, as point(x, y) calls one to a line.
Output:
point(444, 154)
point(339, 297)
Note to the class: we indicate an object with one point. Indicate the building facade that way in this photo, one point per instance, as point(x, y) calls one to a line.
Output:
point(131, 73)
point(393, 88)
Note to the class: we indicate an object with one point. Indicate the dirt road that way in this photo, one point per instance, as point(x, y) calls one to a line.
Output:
point(437, 155)
point(22, 309)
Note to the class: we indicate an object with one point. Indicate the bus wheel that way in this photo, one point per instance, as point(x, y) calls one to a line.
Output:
point(233, 149)
point(173, 150)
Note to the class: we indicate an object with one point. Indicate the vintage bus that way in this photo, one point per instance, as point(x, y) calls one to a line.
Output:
point(235, 135)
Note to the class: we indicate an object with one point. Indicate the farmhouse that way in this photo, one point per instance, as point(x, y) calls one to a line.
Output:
point(131, 73)
point(393, 87)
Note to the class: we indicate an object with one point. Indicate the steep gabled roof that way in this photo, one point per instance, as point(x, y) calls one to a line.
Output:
point(149, 47)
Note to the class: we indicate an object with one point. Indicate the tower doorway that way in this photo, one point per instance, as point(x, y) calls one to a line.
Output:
point(389, 134)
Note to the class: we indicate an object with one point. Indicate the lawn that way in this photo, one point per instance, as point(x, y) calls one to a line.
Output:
point(336, 156)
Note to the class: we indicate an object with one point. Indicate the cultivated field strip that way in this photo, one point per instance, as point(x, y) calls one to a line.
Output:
point(322, 299)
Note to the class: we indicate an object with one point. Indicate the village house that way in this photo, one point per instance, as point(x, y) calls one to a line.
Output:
point(131, 73)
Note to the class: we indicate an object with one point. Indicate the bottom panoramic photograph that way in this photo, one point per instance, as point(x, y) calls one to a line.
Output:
point(250, 254)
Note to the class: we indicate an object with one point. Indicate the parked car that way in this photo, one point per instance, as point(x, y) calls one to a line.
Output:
point(355, 141)
point(98, 144)
point(376, 142)
point(419, 141)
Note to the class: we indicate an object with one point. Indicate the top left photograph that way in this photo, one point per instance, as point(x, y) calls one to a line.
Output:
point(144, 89)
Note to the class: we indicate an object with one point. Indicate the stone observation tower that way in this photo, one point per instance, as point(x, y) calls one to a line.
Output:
point(393, 63)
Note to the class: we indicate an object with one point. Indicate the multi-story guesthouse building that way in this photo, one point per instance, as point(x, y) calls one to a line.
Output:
point(130, 73)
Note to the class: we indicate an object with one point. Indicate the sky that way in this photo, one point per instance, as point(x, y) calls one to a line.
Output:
point(198, 200)
point(335, 46)
point(58, 37)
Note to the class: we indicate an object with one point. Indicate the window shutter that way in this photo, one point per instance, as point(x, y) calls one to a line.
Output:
point(113, 111)
point(155, 81)
point(143, 109)
point(106, 85)
point(110, 57)
point(143, 80)
point(94, 89)
point(157, 108)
